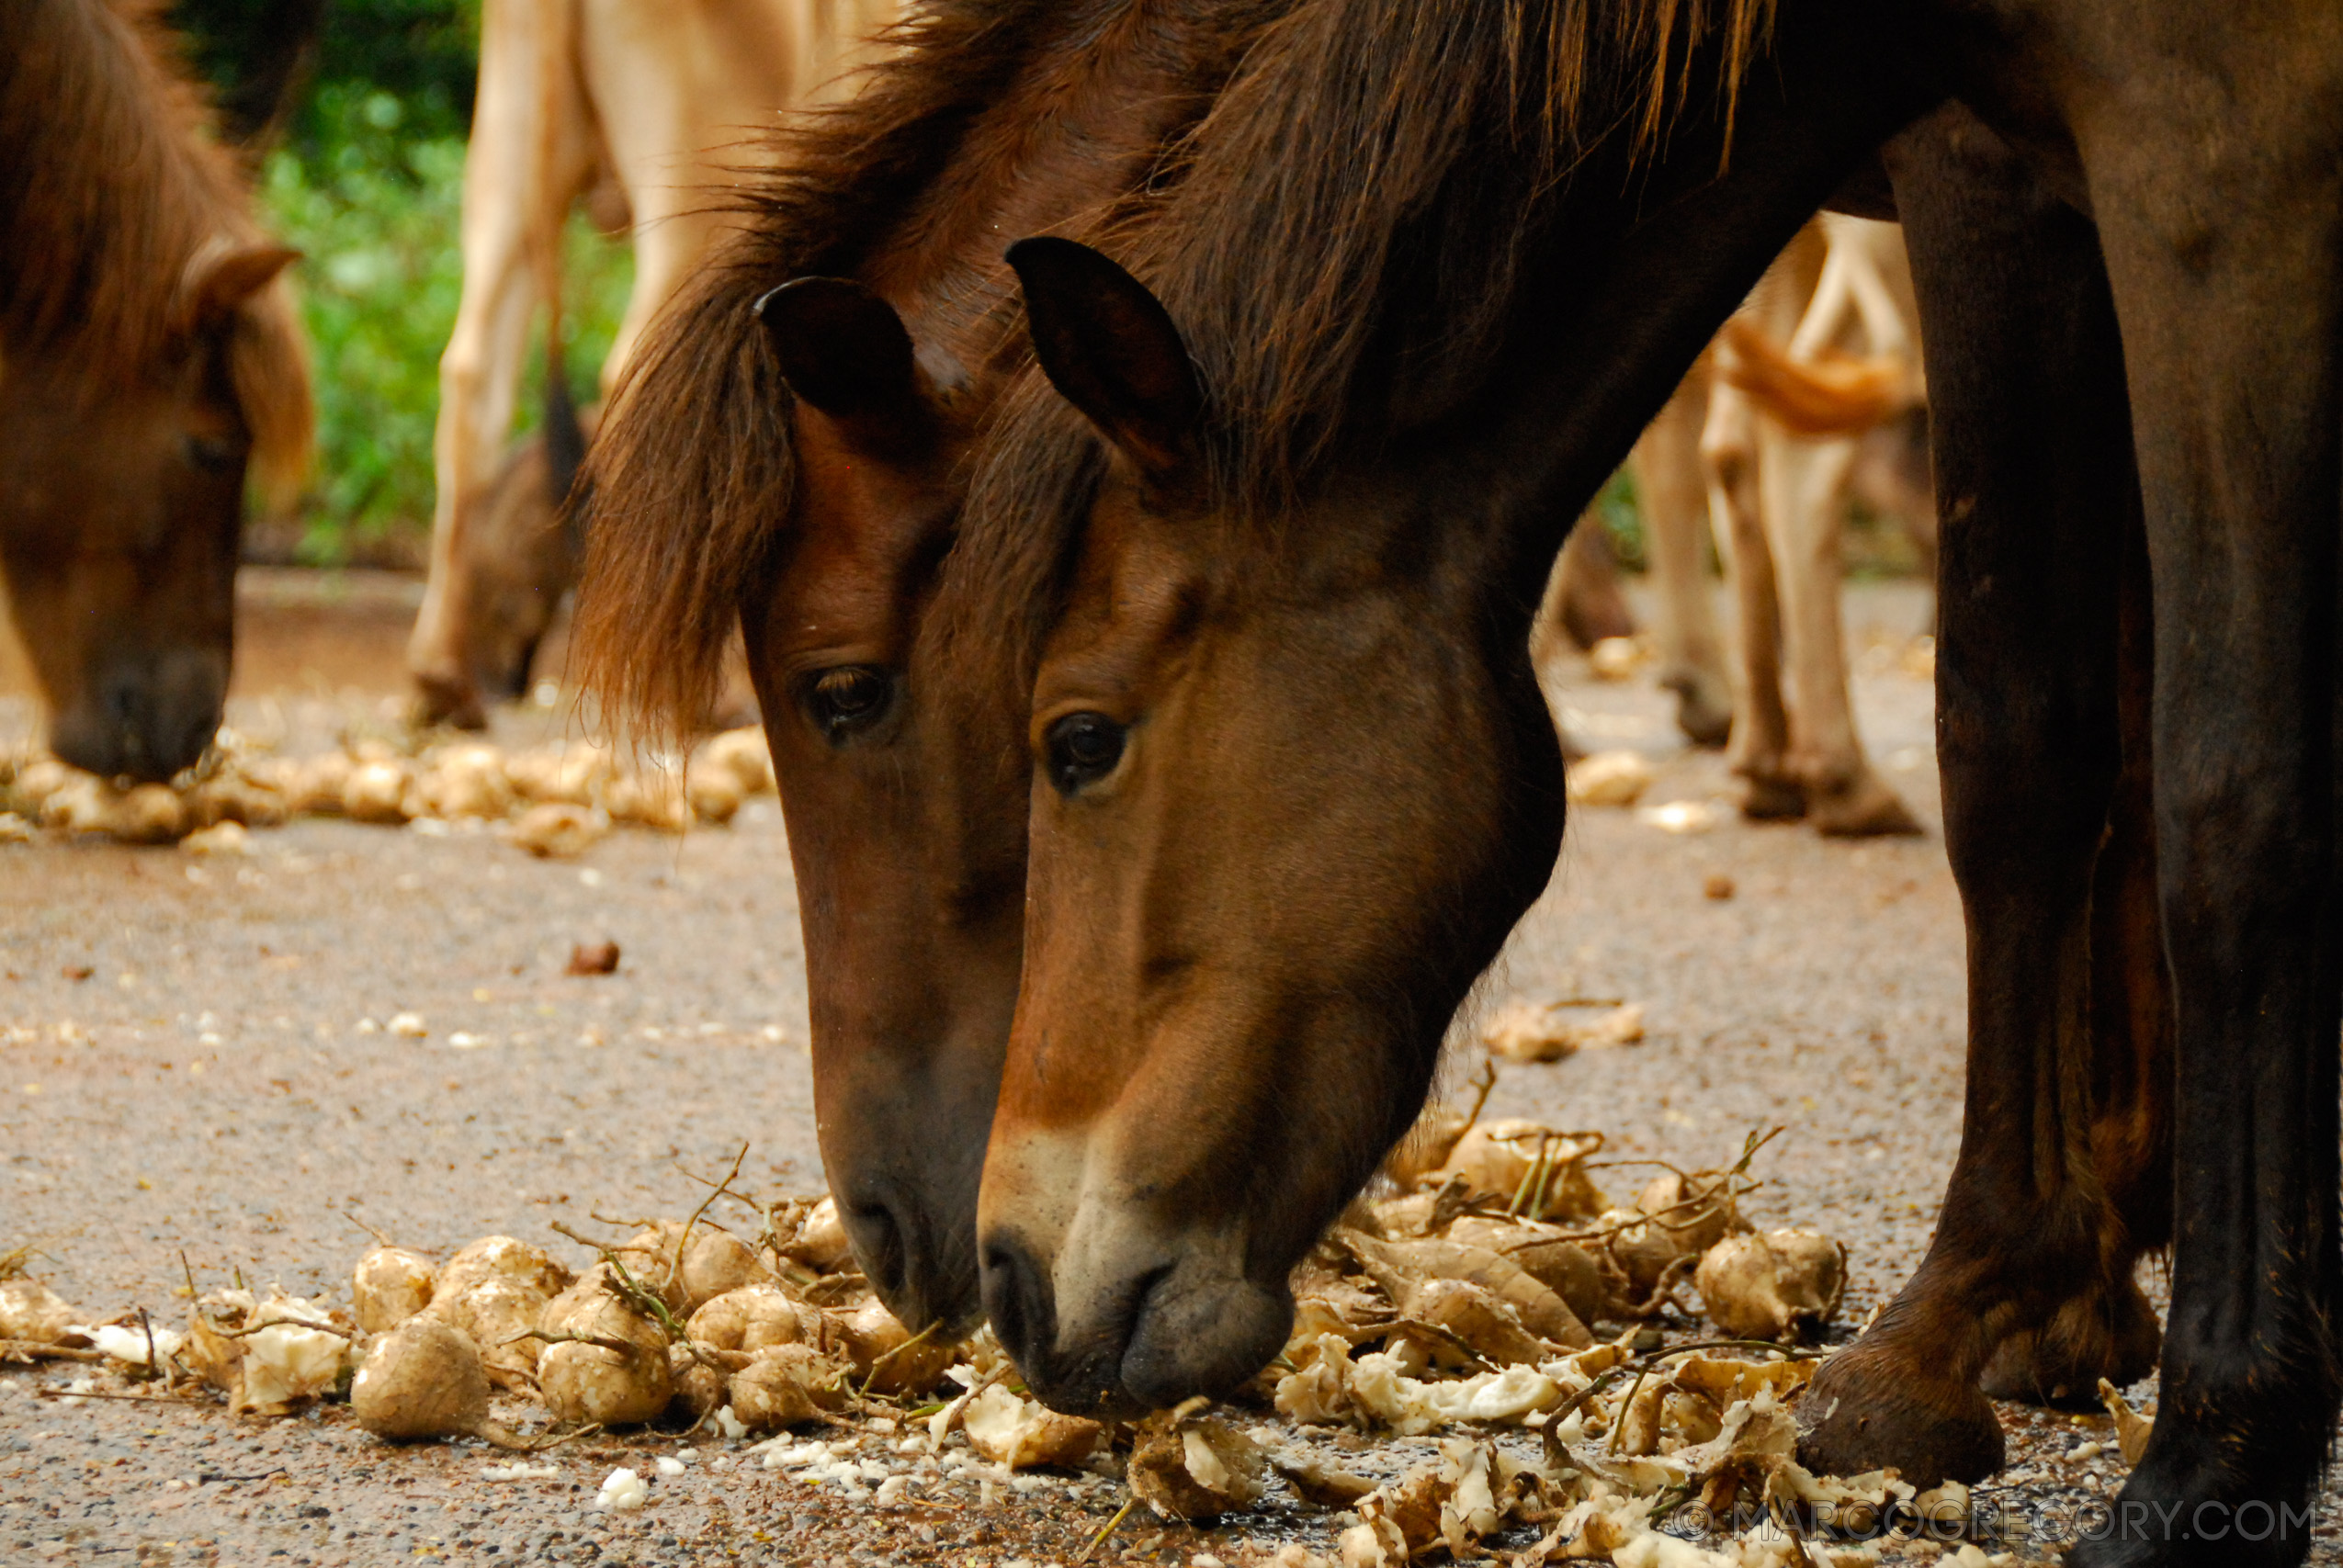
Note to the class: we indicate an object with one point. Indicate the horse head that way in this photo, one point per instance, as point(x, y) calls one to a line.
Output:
point(907, 839)
point(1292, 787)
point(122, 504)
point(513, 555)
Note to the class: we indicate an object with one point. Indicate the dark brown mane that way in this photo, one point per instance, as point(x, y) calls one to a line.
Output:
point(698, 466)
point(694, 473)
point(1341, 245)
point(113, 187)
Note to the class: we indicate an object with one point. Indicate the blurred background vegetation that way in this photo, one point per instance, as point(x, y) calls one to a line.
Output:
point(366, 178)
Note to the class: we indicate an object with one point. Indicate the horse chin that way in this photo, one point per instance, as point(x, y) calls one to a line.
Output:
point(509, 680)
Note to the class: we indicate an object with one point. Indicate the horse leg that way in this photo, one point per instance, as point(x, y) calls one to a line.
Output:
point(1801, 500)
point(528, 154)
point(2222, 222)
point(1667, 467)
point(2034, 463)
point(2112, 1332)
point(1761, 742)
point(658, 79)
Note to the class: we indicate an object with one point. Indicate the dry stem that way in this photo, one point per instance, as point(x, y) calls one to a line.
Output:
point(675, 1264)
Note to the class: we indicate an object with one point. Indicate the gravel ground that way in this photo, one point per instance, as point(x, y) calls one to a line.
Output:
point(194, 1064)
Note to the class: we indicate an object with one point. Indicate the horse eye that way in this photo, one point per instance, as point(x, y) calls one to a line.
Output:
point(851, 697)
point(1083, 748)
point(213, 454)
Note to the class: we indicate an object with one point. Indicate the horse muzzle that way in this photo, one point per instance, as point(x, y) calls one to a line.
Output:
point(921, 1263)
point(1117, 1330)
point(143, 720)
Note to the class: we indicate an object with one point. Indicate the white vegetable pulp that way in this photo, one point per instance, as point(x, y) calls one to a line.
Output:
point(622, 1489)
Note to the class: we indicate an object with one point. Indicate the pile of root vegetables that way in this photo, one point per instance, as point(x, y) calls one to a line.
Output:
point(552, 800)
point(1455, 1308)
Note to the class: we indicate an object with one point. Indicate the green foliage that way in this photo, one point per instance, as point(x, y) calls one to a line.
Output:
point(376, 208)
point(423, 53)
point(1622, 515)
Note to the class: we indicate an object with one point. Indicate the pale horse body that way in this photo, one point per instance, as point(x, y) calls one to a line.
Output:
point(1763, 444)
point(645, 109)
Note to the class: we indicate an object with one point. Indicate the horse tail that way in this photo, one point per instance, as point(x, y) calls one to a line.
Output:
point(1837, 394)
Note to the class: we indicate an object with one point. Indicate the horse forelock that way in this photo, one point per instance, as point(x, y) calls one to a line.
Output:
point(692, 473)
point(690, 478)
point(1410, 144)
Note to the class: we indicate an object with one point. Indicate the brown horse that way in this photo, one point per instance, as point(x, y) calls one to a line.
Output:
point(145, 364)
point(1269, 587)
point(786, 458)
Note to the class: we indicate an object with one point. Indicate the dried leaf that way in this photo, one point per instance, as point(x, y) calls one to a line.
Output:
point(1195, 1468)
point(2132, 1429)
point(1401, 1267)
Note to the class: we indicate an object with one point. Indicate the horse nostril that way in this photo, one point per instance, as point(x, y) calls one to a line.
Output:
point(1016, 1298)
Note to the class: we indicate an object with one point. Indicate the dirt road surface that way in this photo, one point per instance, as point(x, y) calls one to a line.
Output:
point(195, 1064)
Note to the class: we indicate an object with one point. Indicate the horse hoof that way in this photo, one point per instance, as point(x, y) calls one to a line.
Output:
point(1773, 800)
point(1860, 1419)
point(1865, 809)
point(1705, 715)
point(2093, 1336)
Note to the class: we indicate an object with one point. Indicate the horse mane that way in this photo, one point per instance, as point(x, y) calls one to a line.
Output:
point(114, 188)
point(694, 468)
point(1412, 145)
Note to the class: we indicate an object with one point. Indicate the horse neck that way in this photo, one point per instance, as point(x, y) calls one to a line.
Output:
point(1090, 118)
point(107, 186)
point(1616, 276)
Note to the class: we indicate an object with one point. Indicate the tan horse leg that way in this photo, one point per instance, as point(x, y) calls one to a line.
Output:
point(1802, 492)
point(1732, 458)
point(1761, 744)
point(531, 149)
point(1669, 483)
point(680, 93)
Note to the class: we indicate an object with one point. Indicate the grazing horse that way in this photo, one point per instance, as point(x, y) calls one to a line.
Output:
point(1267, 570)
point(639, 108)
point(147, 360)
point(787, 460)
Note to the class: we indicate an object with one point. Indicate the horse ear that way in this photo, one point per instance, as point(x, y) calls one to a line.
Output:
point(222, 280)
point(842, 349)
point(1110, 348)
